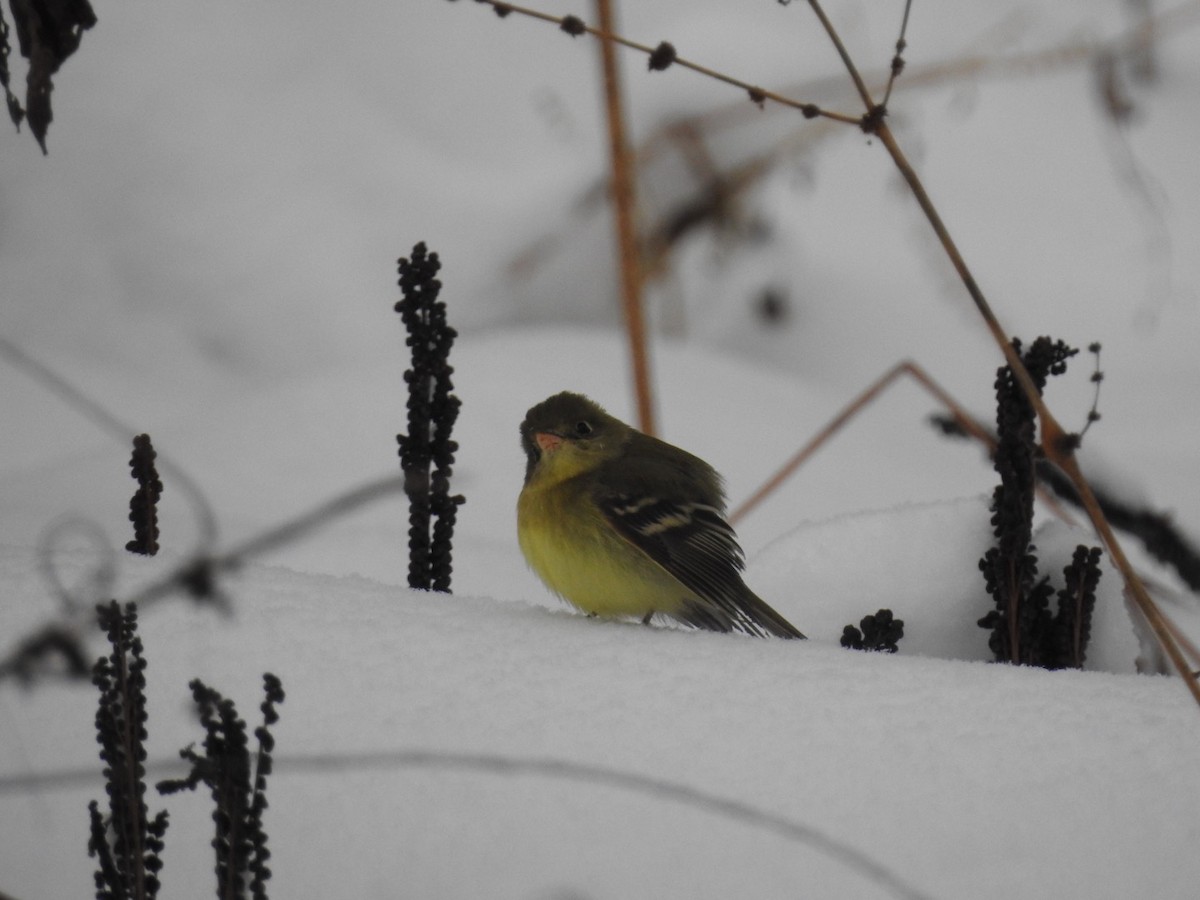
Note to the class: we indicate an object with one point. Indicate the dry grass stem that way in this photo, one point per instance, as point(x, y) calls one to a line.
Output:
point(625, 205)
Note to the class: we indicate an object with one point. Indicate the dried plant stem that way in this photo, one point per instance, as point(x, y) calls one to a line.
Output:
point(1189, 648)
point(624, 205)
point(959, 70)
point(1163, 630)
point(757, 93)
point(1056, 443)
point(848, 412)
point(898, 59)
point(968, 423)
point(836, 40)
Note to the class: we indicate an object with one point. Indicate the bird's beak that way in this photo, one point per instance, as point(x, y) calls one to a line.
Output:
point(547, 442)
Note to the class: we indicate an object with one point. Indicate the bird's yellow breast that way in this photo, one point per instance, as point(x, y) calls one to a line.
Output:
point(574, 550)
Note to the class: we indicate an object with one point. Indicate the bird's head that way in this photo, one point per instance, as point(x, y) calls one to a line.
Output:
point(567, 434)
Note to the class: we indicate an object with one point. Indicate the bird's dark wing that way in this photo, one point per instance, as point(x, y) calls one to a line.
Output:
point(691, 540)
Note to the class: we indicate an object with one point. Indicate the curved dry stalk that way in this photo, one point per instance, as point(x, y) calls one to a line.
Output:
point(963, 419)
point(906, 367)
point(1057, 444)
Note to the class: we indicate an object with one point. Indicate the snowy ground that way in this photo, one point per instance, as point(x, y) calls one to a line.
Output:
point(208, 250)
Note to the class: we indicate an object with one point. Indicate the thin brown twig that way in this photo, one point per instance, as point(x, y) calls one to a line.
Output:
point(1035, 62)
point(756, 93)
point(1185, 643)
point(848, 412)
point(1162, 628)
point(898, 59)
point(968, 423)
point(1187, 646)
point(624, 205)
point(847, 61)
point(1058, 446)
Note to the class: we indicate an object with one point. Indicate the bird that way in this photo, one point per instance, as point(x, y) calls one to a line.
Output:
point(621, 524)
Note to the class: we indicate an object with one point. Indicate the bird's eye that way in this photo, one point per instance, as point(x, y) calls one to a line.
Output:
point(582, 429)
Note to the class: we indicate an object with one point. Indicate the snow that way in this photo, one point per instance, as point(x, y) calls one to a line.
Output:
point(208, 252)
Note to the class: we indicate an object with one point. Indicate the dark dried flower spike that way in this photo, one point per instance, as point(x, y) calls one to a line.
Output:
point(880, 632)
point(1023, 630)
point(420, 289)
point(240, 840)
point(1009, 569)
point(260, 873)
point(129, 866)
point(427, 451)
point(1076, 601)
point(852, 638)
point(143, 506)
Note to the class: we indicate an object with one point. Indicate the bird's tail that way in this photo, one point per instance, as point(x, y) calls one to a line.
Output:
point(766, 618)
point(748, 613)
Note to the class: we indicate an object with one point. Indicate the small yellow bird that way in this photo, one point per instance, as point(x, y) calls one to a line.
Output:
point(622, 524)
